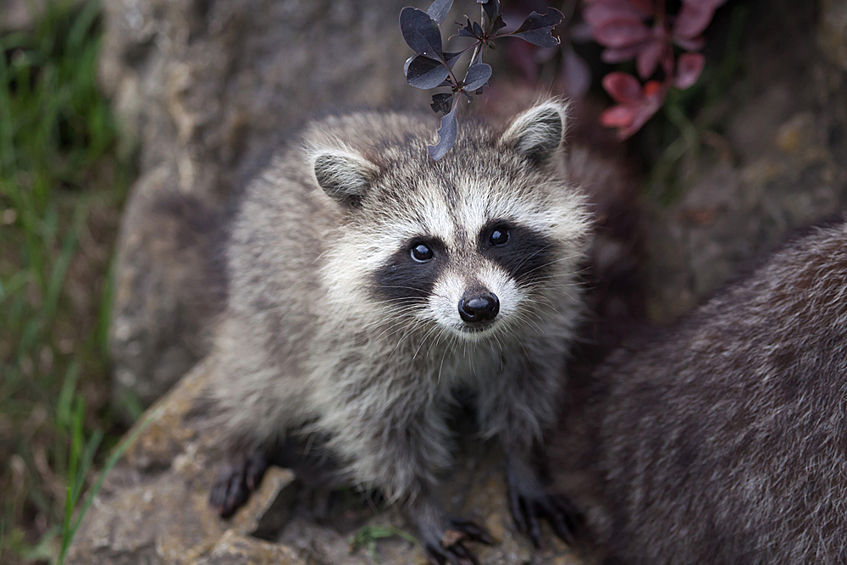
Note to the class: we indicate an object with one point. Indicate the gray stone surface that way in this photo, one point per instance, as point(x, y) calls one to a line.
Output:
point(833, 31)
point(16, 15)
point(154, 507)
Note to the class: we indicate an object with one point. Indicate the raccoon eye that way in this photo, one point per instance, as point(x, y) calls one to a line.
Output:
point(421, 252)
point(499, 236)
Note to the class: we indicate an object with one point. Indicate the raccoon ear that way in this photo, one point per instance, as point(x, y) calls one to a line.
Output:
point(539, 132)
point(344, 175)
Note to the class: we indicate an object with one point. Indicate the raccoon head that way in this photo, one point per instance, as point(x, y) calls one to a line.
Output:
point(485, 239)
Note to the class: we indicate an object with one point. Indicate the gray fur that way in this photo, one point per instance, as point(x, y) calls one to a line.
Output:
point(723, 439)
point(307, 339)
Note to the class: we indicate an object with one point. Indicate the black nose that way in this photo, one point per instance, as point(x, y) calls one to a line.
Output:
point(479, 308)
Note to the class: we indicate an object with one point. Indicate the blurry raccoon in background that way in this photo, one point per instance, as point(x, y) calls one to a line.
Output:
point(723, 438)
point(367, 283)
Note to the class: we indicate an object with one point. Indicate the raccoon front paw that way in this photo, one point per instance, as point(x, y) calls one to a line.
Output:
point(528, 504)
point(236, 480)
point(450, 547)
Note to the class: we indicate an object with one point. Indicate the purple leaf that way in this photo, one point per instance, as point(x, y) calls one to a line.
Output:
point(467, 29)
point(441, 102)
point(438, 10)
point(498, 24)
point(451, 58)
point(426, 73)
point(421, 33)
point(622, 32)
point(689, 67)
point(491, 7)
point(447, 134)
point(477, 75)
point(537, 29)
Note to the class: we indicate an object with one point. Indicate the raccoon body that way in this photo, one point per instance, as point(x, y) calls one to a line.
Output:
point(367, 283)
point(722, 439)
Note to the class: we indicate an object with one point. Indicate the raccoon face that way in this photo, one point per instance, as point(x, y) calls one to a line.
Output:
point(475, 243)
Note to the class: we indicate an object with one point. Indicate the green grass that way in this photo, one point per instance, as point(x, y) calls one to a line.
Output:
point(368, 536)
point(62, 183)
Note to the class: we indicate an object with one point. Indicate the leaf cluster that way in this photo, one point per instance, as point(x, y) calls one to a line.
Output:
point(644, 30)
point(433, 66)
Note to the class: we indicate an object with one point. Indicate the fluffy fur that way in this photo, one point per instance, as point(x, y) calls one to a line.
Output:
point(331, 323)
point(722, 439)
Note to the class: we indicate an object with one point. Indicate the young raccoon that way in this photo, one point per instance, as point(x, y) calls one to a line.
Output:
point(367, 283)
point(722, 439)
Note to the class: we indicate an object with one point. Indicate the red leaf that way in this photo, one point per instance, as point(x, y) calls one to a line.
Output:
point(654, 90)
point(601, 13)
point(622, 32)
point(649, 56)
point(642, 114)
point(618, 116)
point(636, 107)
point(623, 88)
point(688, 70)
point(692, 19)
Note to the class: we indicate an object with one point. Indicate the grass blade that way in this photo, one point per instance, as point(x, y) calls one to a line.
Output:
point(114, 458)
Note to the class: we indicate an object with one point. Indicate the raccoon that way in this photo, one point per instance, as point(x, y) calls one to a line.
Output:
point(723, 438)
point(368, 283)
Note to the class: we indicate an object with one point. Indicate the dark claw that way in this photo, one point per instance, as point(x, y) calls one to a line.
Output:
point(235, 483)
point(255, 469)
point(565, 519)
point(516, 506)
point(473, 531)
point(457, 553)
point(534, 527)
point(463, 555)
point(228, 493)
point(559, 513)
point(435, 555)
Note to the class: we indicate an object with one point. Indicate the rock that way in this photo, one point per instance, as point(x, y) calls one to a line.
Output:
point(154, 507)
point(832, 35)
point(17, 15)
